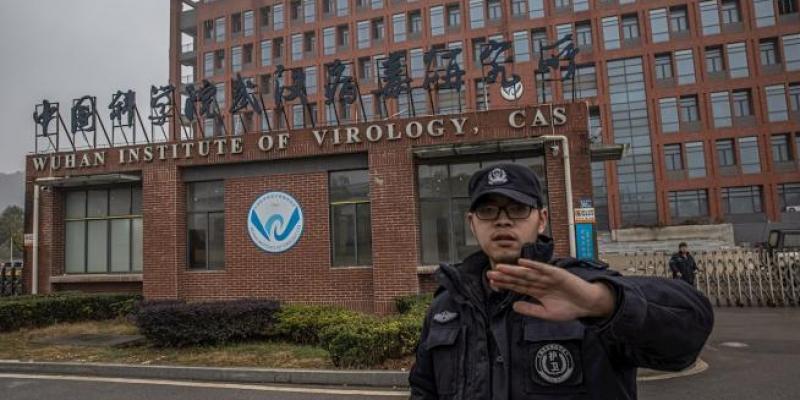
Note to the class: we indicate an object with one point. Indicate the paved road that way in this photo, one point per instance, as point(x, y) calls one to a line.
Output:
point(767, 368)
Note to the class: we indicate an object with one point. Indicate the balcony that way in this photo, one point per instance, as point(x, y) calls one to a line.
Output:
point(452, 28)
point(772, 69)
point(188, 55)
point(189, 22)
point(680, 35)
point(631, 43)
point(666, 83)
point(566, 10)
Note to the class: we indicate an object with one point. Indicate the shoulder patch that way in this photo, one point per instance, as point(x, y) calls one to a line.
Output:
point(445, 317)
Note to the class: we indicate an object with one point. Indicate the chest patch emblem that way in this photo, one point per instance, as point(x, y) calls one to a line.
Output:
point(554, 363)
point(445, 317)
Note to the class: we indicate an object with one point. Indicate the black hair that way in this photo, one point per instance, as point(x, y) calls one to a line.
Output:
point(682, 244)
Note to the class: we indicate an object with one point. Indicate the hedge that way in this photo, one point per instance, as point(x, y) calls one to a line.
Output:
point(355, 340)
point(36, 311)
point(180, 324)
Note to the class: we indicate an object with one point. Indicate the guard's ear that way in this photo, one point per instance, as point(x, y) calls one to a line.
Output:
point(543, 215)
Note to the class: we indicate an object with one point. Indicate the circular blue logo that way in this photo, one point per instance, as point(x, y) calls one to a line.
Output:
point(275, 222)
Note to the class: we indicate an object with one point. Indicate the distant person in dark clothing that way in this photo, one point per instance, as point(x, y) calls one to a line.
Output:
point(682, 264)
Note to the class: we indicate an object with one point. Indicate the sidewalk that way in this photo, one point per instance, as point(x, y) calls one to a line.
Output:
point(365, 378)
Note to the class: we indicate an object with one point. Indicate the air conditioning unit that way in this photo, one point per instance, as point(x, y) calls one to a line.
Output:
point(792, 208)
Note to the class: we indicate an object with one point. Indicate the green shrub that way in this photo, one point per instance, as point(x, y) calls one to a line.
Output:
point(361, 344)
point(179, 324)
point(415, 303)
point(302, 324)
point(36, 311)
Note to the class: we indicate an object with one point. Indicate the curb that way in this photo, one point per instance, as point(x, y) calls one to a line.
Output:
point(367, 378)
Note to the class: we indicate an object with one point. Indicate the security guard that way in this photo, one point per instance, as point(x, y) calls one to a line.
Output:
point(511, 322)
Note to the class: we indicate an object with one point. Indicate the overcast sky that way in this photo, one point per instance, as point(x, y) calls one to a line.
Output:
point(64, 49)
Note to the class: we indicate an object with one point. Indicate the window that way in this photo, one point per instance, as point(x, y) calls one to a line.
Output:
point(791, 52)
point(536, 8)
point(377, 30)
point(205, 214)
point(443, 204)
point(311, 80)
point(794, 97)
point(583, 34)
point(658, 25)
point(538, 39)
point(415, 23)
point(103, 230)
point(309, 11)
point(585, 83)
point(781, 148)
point(342, 8)
point(417, 64)
point(788, 195)
point(453, 16)
point(208, 30)
point(351, 226)
point(362, 34)
point(737, 60)
point(765, 13)
point(476, 17)
point(714, 61)
point(741, 200)
point(437, 21)
point(768, 52)
point(219, 29)
point(264, 15)
point(208, 64)
point(494, 10)
point(236, 58)
point(522, 47)
point(721, 109)
point(695, 159)
point(678, 20)
point(329, 41)
point(688, 204)
point(297, 47)
point(220, 94)
point(663, 66)
point(741, 103)
point(709, 15)
point(249, 16)
point(630, 27)
point(278, 17)
point(725, 154)
point(343, 36)
point(685, 66)
point(777, 110)
point(729, 11)
point(786, 7)
point(519, 8)
point(562, 31)
point(669, 115)
point(672, 157)
point(294, 10)
point(611, 33)
point(580, 5)
point(748, 155)
point(688, 109)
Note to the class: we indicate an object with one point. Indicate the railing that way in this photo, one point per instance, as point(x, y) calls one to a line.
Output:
point(737, 277)
point(10, 281)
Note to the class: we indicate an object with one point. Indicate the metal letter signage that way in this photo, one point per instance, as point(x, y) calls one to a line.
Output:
point(275, 222)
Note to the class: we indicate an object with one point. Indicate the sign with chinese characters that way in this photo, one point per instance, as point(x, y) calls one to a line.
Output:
point(584, 216)
point(584, 241)
point(363, 134)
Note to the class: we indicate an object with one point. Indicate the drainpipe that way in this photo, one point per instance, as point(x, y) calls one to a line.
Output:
point(35, 271)
point(568, 183)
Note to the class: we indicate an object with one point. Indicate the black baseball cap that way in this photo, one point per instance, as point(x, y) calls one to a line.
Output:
point(514, 181)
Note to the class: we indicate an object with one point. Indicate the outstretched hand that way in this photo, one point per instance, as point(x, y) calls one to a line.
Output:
point(559, 295)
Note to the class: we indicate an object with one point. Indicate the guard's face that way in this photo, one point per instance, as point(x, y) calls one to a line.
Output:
point(502, 238)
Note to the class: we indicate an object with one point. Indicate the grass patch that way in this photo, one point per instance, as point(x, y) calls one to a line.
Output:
point(263, 354)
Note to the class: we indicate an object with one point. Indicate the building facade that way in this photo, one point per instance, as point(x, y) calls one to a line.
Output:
point(705, 94)
point(372, 207)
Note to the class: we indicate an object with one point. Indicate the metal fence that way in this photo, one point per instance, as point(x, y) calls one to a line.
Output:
point(739, 277)
point(10, 281)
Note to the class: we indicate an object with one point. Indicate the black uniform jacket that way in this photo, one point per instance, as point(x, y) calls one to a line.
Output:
point(474, 346)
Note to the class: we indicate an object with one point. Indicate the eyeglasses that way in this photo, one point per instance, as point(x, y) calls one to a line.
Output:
point(513, 211)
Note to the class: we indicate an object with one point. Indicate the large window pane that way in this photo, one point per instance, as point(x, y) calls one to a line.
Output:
point(75, 247)
point(695, 159)
point(97, 243)
point(435, 221)
point(216, 240)
point(98, 203)
point(197, 225)
point(120, 201)
point(684, 61)
point(777, 109)
point(748, 152)
point(76, 204)
point(364, 234)
point(137, 235)
point(120, 245)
